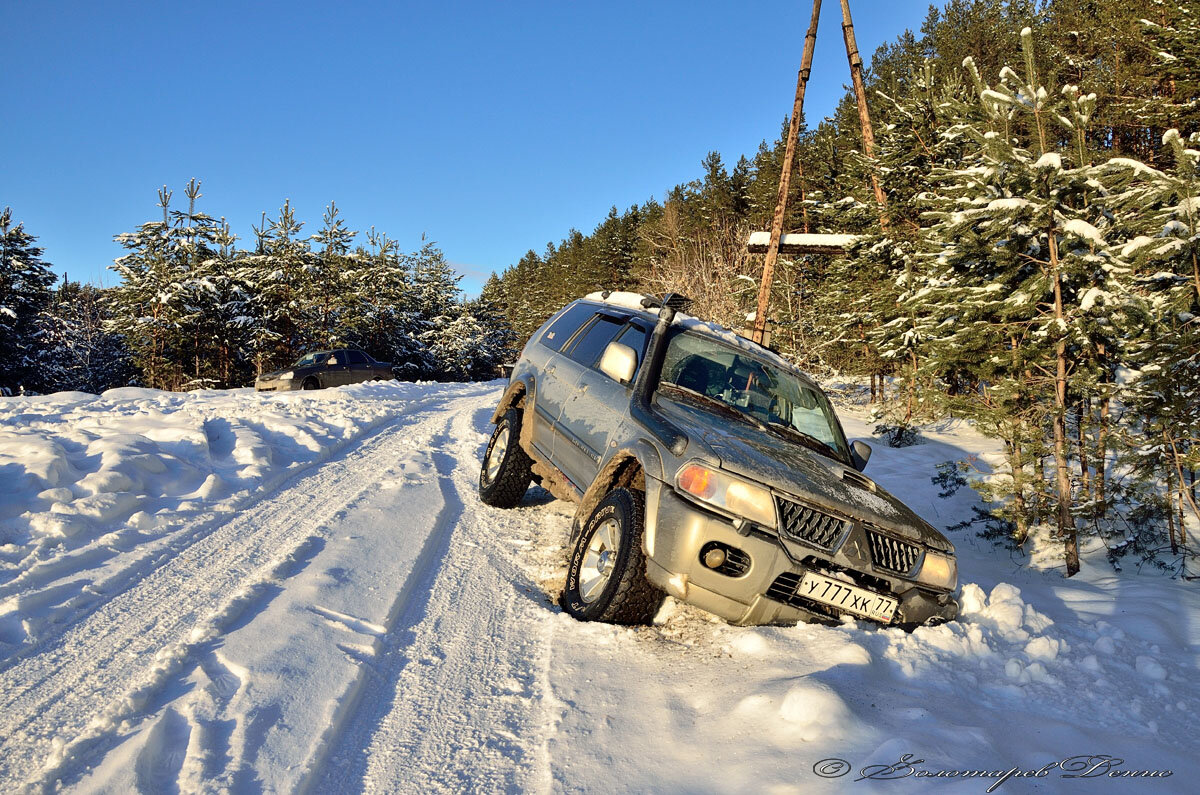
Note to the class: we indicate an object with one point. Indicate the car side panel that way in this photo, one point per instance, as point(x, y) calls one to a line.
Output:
point(589, 419)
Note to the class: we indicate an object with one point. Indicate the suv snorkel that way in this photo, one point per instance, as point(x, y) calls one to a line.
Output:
point(647, 378)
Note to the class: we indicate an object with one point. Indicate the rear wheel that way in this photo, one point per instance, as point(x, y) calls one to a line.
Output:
point(506, 472)
point(606, 574)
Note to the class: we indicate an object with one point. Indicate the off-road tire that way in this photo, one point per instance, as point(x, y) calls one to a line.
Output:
point(310, 383)
point(628, 597)
point(506, 488)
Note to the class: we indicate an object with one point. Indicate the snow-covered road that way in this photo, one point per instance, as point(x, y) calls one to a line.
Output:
point(343, 614)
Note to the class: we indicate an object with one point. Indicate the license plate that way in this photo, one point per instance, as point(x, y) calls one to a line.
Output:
point(847, 597)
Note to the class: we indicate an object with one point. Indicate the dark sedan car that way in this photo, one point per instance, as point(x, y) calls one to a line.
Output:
point(325, 368)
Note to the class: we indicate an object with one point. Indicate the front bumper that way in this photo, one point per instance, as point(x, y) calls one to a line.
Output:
point(677, 531)
point(276, 385)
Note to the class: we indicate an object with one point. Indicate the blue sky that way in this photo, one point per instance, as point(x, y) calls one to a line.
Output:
point(489, 127)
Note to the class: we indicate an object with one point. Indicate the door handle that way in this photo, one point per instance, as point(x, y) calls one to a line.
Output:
point(550, 369)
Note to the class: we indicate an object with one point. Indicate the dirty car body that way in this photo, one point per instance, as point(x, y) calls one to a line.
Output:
point(755, 505)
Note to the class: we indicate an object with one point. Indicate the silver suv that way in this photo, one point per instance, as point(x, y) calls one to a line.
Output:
point(706, 467)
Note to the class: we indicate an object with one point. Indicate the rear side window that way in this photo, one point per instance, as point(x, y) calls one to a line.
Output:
point(357, 357)
point(562, 329)
point(594, 340)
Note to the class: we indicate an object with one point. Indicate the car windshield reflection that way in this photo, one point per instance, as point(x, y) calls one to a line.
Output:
point(766, 392)
point(310, 359)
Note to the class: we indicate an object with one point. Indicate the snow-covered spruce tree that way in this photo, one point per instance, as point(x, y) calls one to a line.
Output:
point(473, 344)
point(890, 255)
point(25, 282)
point(385, 323)
point(192, 250)
point(435, 301)
point(1163, 207)
point(149, 302)
point(1172, 31)
point(227, 313)
point(331, 298)
point(1019, 262)
point(274, 275)
point(77, 349)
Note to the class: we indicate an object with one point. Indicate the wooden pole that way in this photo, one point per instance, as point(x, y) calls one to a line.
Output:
point(864, 114)
point(789, 154)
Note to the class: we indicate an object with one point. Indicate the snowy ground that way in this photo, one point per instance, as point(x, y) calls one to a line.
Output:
point(225, 591)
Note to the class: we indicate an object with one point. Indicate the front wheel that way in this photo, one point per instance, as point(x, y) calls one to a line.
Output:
point(606, 575)
point(506, 472)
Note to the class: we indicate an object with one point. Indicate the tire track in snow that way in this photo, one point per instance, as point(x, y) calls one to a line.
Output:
point(59, 707)
point(145, 558)
point(459, 694)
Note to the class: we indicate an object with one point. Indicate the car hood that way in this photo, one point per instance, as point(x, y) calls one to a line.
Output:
point(796, 470)
point(271, 376)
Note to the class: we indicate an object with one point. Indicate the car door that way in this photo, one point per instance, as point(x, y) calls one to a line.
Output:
point(587, 416)
point(337, 369)
point(360, 367)
point(550, 390)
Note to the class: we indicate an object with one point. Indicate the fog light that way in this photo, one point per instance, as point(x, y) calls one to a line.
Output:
point(714, 558)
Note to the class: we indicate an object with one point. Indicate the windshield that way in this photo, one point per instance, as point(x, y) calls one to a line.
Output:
point(309, 359)
point(768, 393)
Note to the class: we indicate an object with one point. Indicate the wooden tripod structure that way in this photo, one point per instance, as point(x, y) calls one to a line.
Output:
point(789, 151)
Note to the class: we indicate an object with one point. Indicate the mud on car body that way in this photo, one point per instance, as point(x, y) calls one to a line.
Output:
point(705, 467)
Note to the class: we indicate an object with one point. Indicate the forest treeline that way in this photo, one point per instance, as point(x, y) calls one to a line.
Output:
point(1035, 269)
point(194, 310)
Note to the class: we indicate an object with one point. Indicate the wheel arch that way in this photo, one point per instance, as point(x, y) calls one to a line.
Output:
point(514, 397)
point(626, 468)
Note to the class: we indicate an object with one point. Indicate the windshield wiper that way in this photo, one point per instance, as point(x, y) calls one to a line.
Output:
point(808, 439)
point(721, 404)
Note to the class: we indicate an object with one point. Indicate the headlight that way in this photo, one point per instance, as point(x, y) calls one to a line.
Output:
point(288, 376)
point(940, 571)
point(727, 493)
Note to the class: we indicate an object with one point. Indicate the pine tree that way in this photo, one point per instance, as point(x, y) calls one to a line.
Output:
point(275, 274)
point(1163, 208)
point(330, 294)
point(25, 282)
point(1023, 276)
point(77, 350)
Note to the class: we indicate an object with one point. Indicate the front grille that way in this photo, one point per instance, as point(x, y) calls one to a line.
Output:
point(809, 525)
point(736, 562)
point(892, 554)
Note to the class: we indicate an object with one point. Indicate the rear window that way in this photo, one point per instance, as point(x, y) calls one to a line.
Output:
point(595, 339)
point(562, 329)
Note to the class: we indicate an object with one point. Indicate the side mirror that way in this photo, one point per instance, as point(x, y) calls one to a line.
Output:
point(619, 362)
point(331, 361)
point(860, 454)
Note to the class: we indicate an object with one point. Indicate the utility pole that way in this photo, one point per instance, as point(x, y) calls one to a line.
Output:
point(789, 154)
point(864, 114)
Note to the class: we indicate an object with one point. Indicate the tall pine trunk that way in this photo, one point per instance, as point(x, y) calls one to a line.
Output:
point(1066, 523)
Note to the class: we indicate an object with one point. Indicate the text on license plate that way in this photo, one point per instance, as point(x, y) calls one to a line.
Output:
point(844, 596)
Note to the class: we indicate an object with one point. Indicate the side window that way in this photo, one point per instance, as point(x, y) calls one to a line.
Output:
point(561, 330)
point(357, 357)
point(635, 337)
point(594, 339)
